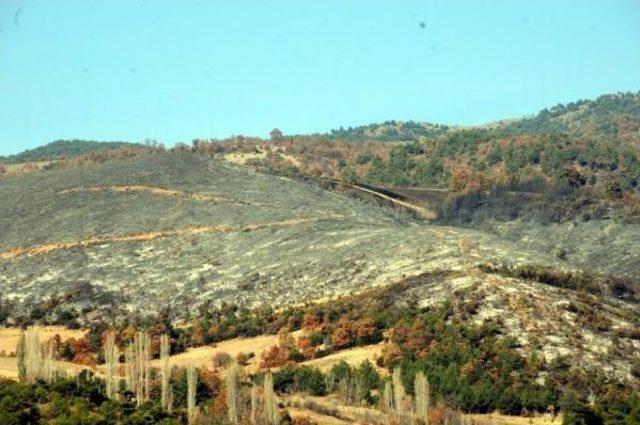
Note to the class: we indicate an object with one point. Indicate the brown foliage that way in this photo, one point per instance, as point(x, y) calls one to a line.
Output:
point(302, 420)
point(275, 356)
point(342, 336)
point(310, 322)
point(82, 352)
point(221, 359)
point(438, 415)
point(306, 347)
point(390, 355)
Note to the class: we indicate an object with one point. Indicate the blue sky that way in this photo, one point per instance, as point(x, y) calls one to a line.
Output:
point(177, 70)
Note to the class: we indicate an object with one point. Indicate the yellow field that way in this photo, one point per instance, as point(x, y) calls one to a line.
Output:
point(9, 336)
point(353, 356)
point(9, 342)
point(202, 356)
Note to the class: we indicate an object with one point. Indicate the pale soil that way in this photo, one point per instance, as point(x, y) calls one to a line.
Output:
point(9, 336)
point(21, 167)
point(242, 158)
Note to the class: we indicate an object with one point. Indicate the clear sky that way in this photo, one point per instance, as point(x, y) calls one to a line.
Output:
point(178, 70)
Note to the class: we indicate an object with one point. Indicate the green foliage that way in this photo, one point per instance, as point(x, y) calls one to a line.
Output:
point(64, 149)
point(73, 401)
point(21, 358)
point(388, 131)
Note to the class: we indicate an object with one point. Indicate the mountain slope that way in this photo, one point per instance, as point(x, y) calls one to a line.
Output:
point(64, 149)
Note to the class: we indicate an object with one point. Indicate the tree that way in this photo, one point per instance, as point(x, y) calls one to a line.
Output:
point(21, 356)
point(270, 401)
point(275, 134)
point(165, 395)
point(192, 382)
point(111, 358)
point(421, 389)
point(232, 383)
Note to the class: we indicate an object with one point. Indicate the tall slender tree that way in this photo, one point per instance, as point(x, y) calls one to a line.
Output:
point(21, 356)
point(398, 392)
point(192, 383)
point(270, 401)
point(255, 403)
point(112, 366)
point(421, 386)
point(165, 370)
point(138, 366)
point(232, 378)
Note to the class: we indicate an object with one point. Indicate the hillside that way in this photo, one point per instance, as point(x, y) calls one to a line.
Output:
point(182, 233)
point(579, 161)
point(607, 115)
point(523, 295)
point(177, 229)
point(64, 149)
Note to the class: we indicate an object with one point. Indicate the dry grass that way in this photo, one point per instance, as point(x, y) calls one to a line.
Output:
point(203, 356)
point(242, 158)
point(498, 419)
point(330, 410)
point(9, 342)
point(320, 419)
point(9, 336)
point(9, 368)
point(353, 356)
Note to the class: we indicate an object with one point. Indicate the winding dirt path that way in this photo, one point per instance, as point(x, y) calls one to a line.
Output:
point(150, 236)
point(160, 191)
